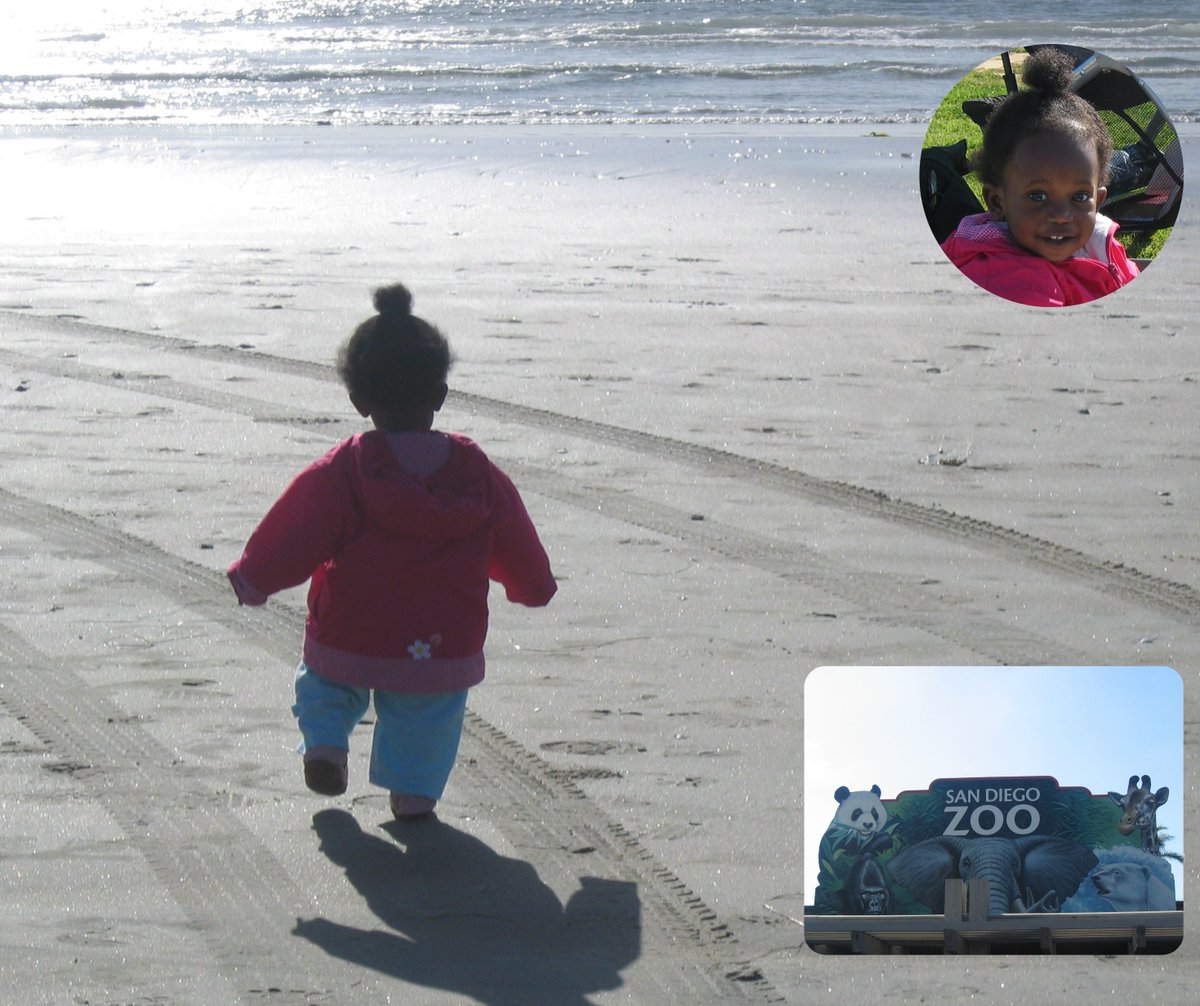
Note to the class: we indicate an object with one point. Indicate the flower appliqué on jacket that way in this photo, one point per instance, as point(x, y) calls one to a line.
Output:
point(424, 651)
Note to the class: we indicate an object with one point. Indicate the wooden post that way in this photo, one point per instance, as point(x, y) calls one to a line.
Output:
point(978, 900)
point(956, 900)
point(954, 912)
point(864, 943)
point(954, 943)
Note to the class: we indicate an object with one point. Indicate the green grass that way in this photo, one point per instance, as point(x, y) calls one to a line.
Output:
point(1144, 246)
point(949, 123)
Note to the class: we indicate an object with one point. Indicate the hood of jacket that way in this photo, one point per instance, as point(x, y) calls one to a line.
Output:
point(985, 252)
point(452, 503)
point(981, 233)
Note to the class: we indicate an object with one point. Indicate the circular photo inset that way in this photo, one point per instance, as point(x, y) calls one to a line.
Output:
point(1051, 175)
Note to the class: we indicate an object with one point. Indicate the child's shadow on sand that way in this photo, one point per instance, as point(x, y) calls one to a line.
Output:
point(465, 919)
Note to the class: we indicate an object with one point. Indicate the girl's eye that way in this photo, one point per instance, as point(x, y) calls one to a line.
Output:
point(1036, 197)
point(1083, 197)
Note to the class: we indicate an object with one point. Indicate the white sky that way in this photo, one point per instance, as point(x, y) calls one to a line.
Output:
point(903, 727)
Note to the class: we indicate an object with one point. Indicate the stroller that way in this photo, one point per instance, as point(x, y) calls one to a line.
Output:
point(1145, 172)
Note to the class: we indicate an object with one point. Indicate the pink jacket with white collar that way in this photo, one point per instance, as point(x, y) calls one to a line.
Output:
point(399, 563)
point(984, 251)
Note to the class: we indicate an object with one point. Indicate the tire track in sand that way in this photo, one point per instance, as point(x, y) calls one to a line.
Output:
point(1112, 578)
point(239, 900)
point(234, 889)
point(893, 599)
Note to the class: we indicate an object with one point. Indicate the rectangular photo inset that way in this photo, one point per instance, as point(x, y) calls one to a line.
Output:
point(993, 810)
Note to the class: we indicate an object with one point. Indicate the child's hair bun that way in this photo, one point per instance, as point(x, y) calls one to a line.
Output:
point(1049, 70)
point(393, 300)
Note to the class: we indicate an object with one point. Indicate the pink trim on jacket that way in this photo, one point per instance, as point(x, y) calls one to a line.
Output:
point(399, 564)
point(983, 250)
point(392, 674)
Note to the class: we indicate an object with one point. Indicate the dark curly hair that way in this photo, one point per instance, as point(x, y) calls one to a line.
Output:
point(1047, 106)
point(394, 362)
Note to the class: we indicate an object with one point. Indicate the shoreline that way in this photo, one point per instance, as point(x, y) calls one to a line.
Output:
point(867, 127)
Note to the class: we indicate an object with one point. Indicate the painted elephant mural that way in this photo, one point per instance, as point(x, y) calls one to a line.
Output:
point(1034, 873)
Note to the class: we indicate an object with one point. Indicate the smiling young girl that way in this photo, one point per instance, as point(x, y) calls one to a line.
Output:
point(1044, 166)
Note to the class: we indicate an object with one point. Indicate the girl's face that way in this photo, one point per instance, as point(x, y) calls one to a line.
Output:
point(1050, 194)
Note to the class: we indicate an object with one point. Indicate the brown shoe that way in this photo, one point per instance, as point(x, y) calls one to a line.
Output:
point(325, 771)
point(406, 807)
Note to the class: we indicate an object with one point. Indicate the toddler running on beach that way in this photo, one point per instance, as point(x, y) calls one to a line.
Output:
point(1044, 166)
point(400, 529)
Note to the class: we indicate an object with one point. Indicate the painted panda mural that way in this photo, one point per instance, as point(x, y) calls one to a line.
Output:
point(862, 811)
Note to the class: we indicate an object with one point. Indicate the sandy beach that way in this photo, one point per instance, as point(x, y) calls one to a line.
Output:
point(762, 425)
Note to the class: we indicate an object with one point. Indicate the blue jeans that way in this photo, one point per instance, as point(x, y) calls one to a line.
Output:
point(416, 735)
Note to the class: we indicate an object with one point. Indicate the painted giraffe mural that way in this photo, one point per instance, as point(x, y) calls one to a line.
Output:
point(1139, 806)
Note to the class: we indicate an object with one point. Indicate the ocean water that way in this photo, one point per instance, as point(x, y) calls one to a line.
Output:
point(211, 62)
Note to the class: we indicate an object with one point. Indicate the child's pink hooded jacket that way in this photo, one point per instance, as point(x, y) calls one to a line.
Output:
point(983, 250)
point(399, 564)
